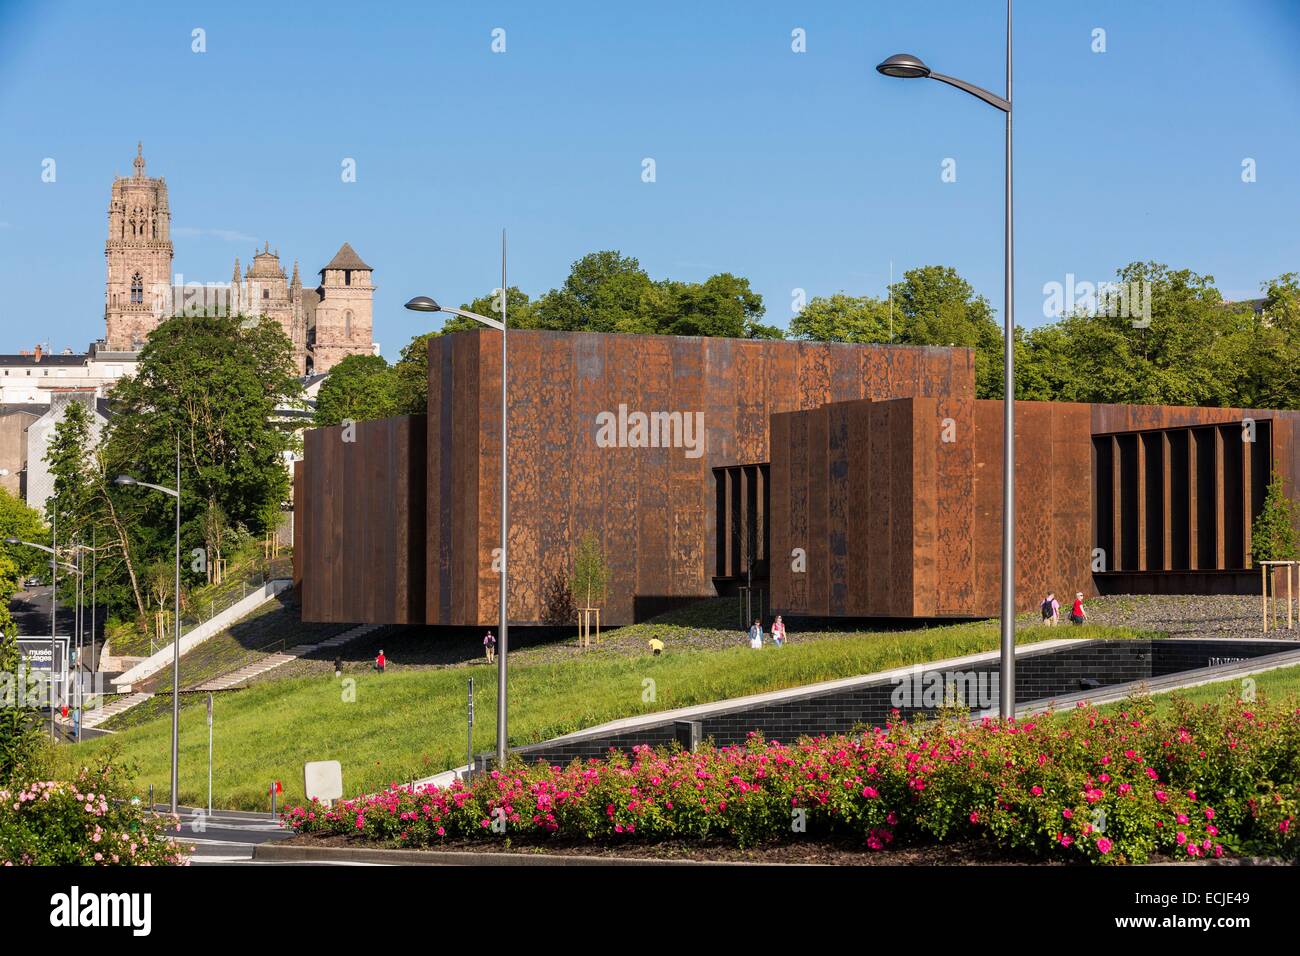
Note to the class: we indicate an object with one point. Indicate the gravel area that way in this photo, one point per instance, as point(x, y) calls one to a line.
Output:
point(708, 625)
point(1188, 615)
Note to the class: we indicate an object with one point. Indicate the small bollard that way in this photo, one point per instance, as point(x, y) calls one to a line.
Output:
point(151, 797)
point(272, 799)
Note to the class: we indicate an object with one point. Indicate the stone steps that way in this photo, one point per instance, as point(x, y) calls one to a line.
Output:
point(271, 662)
point(94, 718)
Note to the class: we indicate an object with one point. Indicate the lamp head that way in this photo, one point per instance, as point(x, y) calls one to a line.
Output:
point(904, 66)
point(124, 480)
point(12, 541)
point(422, 303)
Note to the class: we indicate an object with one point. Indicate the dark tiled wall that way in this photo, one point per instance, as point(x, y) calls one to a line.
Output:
point(1038, 675)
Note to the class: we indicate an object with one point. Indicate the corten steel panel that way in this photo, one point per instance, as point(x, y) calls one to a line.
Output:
point(556, 447)
point(818, 517)
point(955, 464)
point(1035, 528)
point(526, 437)
point(860, 465)
point(988, 505)
point(839, 506)
point(879, 510)
point(1072, 506)
point(789, 511)
point(924, 441)
point(364, 503)
point(654, 543)
point(690, 499)
point(1058, 513)
point(623, 362)
point(591, 463)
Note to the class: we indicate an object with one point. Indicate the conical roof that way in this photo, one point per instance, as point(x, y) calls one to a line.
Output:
point(346, 258)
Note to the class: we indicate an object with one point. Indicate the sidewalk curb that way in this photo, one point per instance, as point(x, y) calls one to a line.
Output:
point(275, 852)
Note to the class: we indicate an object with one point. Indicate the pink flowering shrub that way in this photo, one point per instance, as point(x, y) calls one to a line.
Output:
point(1187, 783)
point(82, 822)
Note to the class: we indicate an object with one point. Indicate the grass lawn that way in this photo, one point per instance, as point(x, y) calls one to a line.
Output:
point(1276, 685)
point(270, 628)
point(408, 724)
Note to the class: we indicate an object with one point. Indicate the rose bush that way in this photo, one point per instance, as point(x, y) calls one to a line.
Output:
point(1187, 782)
point(83, 822)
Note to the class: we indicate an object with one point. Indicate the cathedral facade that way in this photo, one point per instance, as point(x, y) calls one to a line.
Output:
point(325, 323)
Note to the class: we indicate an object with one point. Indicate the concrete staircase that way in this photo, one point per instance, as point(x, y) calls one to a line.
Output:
point(237, 677)
point(93, 718)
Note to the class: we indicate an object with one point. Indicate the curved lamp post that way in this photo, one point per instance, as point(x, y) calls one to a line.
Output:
point(422, 303)
point(128, 481)
point(909, 67)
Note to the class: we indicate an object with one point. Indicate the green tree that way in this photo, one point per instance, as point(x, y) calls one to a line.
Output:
point(590, 573)
point(844, 318)
point(1273, 536)
point(17, 520)
point(934, 305)
point(20, 737)
point(360, 388)
point(216, 383)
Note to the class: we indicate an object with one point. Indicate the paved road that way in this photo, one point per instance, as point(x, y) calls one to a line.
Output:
point(227, 836)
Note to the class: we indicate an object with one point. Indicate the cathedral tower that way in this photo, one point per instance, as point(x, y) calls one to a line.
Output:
point(342, 324)
point(139, 253)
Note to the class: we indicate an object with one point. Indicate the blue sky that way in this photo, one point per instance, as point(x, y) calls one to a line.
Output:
point(802, 171)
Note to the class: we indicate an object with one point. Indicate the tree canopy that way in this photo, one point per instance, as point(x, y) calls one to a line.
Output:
point(360, 387)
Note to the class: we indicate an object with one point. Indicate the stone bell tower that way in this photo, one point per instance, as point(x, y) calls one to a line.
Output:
point(139, 252)
point(343, 316)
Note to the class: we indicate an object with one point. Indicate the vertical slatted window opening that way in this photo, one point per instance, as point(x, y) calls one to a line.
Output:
point(742, 497)
point(1179, 499)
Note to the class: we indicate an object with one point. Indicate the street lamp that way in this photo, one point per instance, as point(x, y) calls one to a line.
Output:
point(422, 303)
point(128, 481)
point(54, 606)
point(81, 549)
point(906, 66)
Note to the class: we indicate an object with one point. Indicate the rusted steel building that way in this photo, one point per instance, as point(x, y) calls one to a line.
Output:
point(849, 480)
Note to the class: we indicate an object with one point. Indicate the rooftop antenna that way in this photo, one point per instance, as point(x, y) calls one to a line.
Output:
point(891, 301)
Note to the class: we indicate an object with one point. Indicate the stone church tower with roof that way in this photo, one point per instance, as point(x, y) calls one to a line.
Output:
point(139, 254)
point(325, 324)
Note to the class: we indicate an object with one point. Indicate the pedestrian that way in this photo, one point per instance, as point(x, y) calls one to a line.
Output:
point(656, 646)
point(756, 635)
point(1051, 610)
point(381, 661)
point(778, 631)
point(489, 647)
point(338, 665)
point(1077, 614)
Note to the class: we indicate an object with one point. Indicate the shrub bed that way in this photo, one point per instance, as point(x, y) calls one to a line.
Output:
point(1186, 783)
point(82, 822)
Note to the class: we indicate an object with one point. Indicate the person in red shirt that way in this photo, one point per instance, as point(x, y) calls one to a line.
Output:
point(381, 661)
point(1077, 614)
